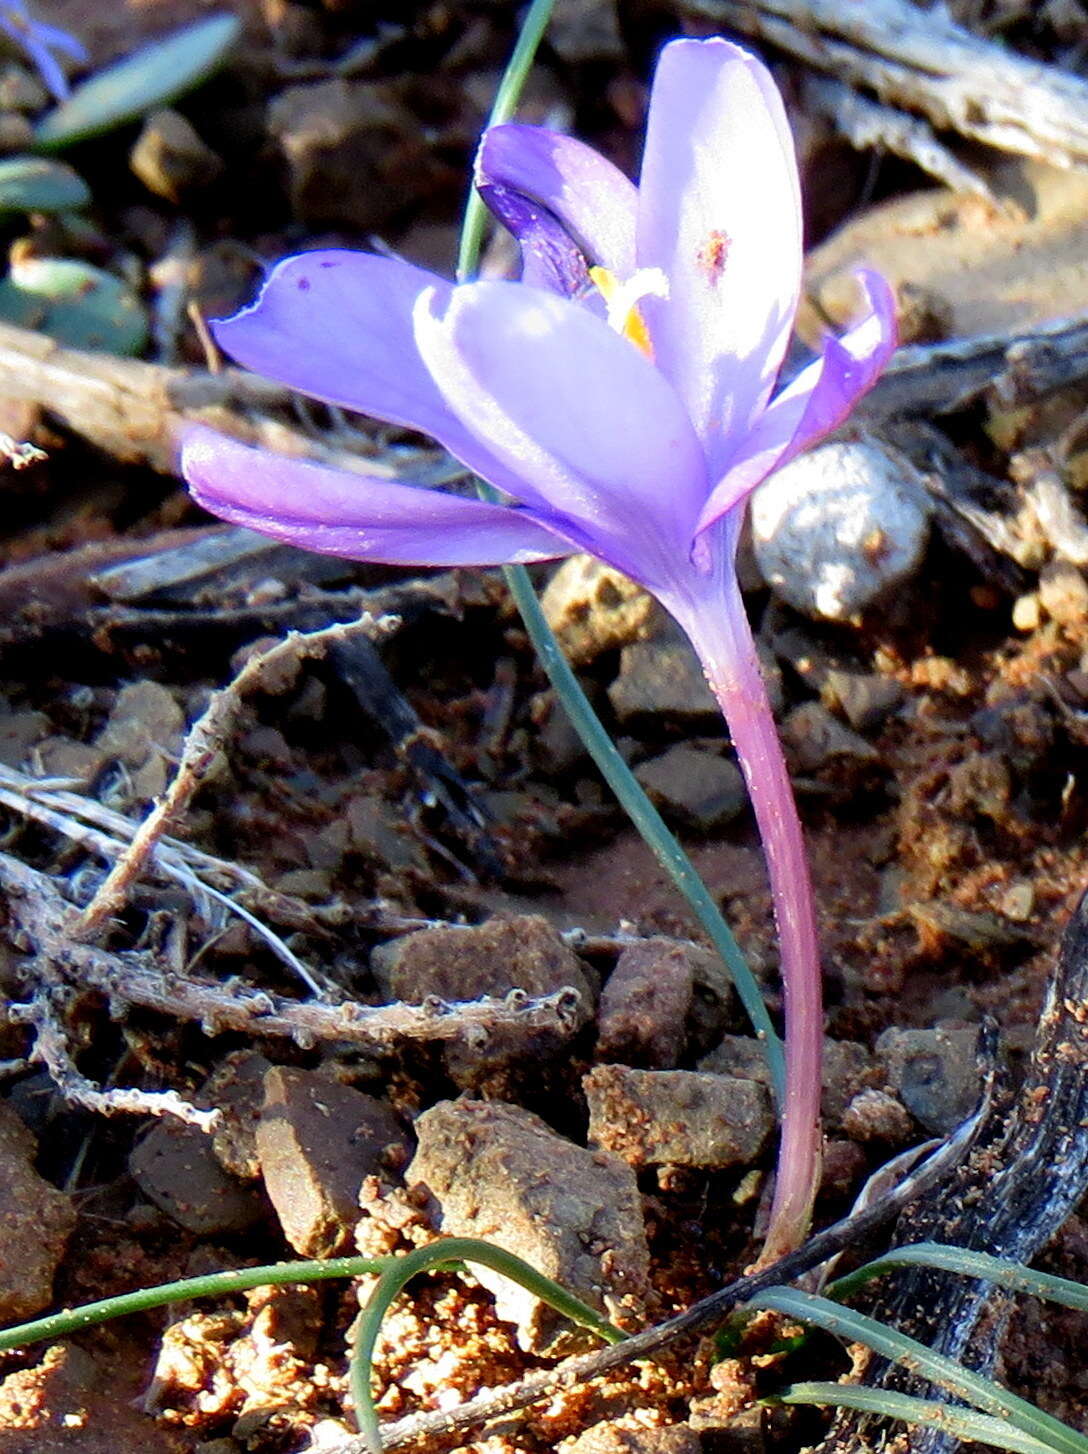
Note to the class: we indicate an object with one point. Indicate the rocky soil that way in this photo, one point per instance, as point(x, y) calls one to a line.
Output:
point(408, 820)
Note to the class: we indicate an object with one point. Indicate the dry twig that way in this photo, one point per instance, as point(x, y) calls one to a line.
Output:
point(206, 739)
point(42, 923)
point(921, 60)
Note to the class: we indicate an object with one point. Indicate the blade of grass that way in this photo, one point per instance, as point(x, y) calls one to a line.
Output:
point(984, 1394)
point(213, 1284)
point(951, 1419)
point(451, 1251)
point(1012, 1275)
point(628, 791)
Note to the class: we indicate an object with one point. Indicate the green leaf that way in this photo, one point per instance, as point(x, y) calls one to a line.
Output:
point(952, 1419)
point(986, 1395)
point(77, 304)
point(140, 83)
point(34, 184)
point(1013, 1275)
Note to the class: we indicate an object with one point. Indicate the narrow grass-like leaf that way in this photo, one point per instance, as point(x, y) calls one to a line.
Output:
point(1012, 1275)
point(915, 1356)
point(212, 1284)
point(951, 1419)
point(450, 1252)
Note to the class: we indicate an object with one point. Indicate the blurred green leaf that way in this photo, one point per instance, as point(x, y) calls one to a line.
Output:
point(140, 83)
point(77, 304)
point(35, 184)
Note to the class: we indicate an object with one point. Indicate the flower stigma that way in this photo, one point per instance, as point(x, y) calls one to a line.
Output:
point(622, 300)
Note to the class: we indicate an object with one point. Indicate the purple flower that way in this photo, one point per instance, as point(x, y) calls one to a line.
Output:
point(621, 396)
point(39, 41)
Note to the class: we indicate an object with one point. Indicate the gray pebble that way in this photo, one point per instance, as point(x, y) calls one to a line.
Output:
point(317, 1140)
point(935, 1073)
point(677, 1117)
point(645, 1003)
point(498, 1172)
point(696, 789)
point(838, 527)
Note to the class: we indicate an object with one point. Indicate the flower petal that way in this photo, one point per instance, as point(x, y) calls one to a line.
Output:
point(356, 516)
point(600, 440)
point(592, 199)
point(338, 325)
point(815, 403)
point(549, 256)
point(720, 215)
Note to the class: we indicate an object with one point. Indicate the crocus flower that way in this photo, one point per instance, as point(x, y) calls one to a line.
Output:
point(39, 41)
point(620, 397)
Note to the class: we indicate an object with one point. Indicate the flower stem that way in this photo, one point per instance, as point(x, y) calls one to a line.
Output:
point(721, 635)
point(646, 819)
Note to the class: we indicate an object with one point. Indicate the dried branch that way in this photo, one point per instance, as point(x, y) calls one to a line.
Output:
point(869, 125)
point(919, 59)
point(135, 410)
point(50, 1048)
point(206, 738)
point(42, 923)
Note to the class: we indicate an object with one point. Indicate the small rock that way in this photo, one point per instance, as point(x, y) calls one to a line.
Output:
point(645, 1003)
point(317, 1140)
point(312, 884)
point(593, 608)
point(19, 732)
point(16, 133)
point(378, 832)
point(864, 698)
point(64, 757)
point(662, 678)
point(36, 1221)
point(455, 963)
point(585, 30)
point(236, 1087)
point(1063, 593)
point(20, 90)
point(170, 158)
point(175, 1167)
point(846, 1066)
point(727, 1429)
point(677, 1117)
point(697, 789)
point(620, 1438)
point(500, 1173)
point(935, 1073)
point(144, 731)
point(874, 1115)
point(556, 742)
point(813, 738)
point(984, 268)
point(355, 156)
point(837, 528)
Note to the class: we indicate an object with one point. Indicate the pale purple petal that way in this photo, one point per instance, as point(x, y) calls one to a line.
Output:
point(549, 256)
point(720, 215)
point(591, 198)
point(815, 403)
point(356, 516)
point(35, 39)
point(58, 39)
point(598, 436)
point(338, 325)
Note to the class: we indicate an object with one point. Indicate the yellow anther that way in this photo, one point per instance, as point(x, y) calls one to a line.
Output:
point(622, 301)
